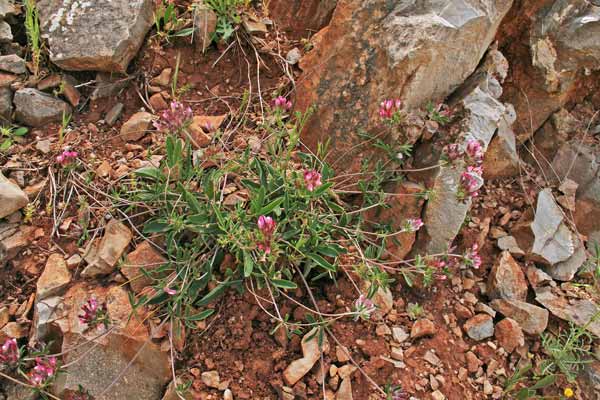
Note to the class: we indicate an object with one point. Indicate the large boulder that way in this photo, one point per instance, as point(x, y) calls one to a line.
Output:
point(100, 35)
point(561, 51)
point(378, 49)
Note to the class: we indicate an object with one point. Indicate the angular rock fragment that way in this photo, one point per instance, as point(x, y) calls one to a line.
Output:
point(54, 279)
point(532, 319)
point(144, 257)
point(480, 327)
point(579, 312)
point(137, 126)
point(104, 255)
point(509, 334)
point(311, 352)
point(100, 35)
point(507, 280)
point(12, 198)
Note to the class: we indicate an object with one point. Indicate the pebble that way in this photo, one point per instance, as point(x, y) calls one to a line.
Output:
point(399, 334)
point(114, 114)
point(437, 395)
point(479, 327)
point(422, 327)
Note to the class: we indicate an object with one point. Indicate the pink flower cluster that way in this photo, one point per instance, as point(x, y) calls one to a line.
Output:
point(413, 225)
point(94, 314)
point(312, 180)
point(175, 118)
point(364, 307)
point(66, 157)
point(389, 107)
point(472, 257)
point(475, 151)
point(453, 152)
point(43, 372)
point(9, 352)
point(282, 103)
point(266, 226)
point(471, 180)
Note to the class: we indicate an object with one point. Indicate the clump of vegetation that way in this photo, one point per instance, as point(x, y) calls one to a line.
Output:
point(228, 16)
point(32, 27)
point(8, 134)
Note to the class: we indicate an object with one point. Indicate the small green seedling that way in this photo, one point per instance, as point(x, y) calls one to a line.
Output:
point(8, 135)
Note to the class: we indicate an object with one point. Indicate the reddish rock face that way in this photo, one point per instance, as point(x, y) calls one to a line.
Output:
point(379, 49)
point(301, 17)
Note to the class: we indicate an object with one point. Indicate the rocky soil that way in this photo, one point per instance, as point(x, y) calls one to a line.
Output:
point(520, 78)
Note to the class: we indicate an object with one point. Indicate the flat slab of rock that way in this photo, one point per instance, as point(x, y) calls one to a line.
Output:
point(35, 108)
point(532, 319)
point(100, 35)
point(104, 255)
point(579, 312)
point(12, 198)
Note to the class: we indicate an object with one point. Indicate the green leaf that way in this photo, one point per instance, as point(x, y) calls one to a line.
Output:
point(321, 261)
point(544, 382)
point(212, 295)
point(22, 131)
point(321, 189)
point(332, 250)
point(161, 297)
point(6, 145)
point(183, 32)
point(248, 264)
point(149, 172)
point(271, 206)
point(201, 315)
point(191, 200)
point(284, 284)
point(156, 227)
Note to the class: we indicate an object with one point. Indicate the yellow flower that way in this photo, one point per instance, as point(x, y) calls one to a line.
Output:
point(569, 392)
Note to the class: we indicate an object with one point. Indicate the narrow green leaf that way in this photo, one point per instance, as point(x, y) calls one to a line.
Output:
point(149, 172)
point(271, 206)
point(321, 261)
point(248, 264)
point(284, 284)
point(201, 315)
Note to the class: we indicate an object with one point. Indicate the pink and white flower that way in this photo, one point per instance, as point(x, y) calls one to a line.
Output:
point(312, 180)
point(43, 371)
point(282, 103)
point(364, 307)
point(413, 224)
point(175, 118)
point(66, 157)
point(266, 226)
point(389, 107)
point(9, 352)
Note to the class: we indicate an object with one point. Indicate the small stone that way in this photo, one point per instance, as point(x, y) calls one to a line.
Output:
point(397, 353)
point(311, 353)
point(346, 371)
point(537, 277)
point(462, 312)
point(484, 308)
point(479, 327)
point(509, 334)
point(157, 102)
point(293, 56)
point(211, 379)
point(510, 244)
point(342, 354)
point(164, 79)
point(4, 316)
point(432, 359)
point(487, 388)
point(54, 279)
point(345, 390)
point(473, 363)
point(581, 312)
point(227, 394)
point(383, 330)
point(137, 126)
point(399, 334)
point(74, 261)
point(43, 146)
point(422, 327)
point(205, 24)
point(6, 35)
point(437, 395)
point(13, 63)
point(13, 330)
point(104, 170)
point(114, 114)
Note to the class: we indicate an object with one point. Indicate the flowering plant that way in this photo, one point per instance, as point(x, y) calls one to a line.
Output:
point(94, 314)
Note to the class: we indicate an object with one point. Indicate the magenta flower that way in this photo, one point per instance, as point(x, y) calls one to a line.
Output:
point(66, 157)
point(282, 103)
point(169, 291)
point(413, 224)
point(471, 180)
point(389, 107)
point(94, 314)
point(43, 371)
point(364, 307)
point(266, 225)
point(175, 118)
point(472, 257)
point(452, 151)
point(9, 352)
point(475, 151)
point(312, 180)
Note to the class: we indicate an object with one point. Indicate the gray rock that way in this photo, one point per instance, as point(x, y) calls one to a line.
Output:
point(5, 32)
point(510, 244)
point(591, 378)
point(575, 161)
point(579, 312)
point(205, 24)
point(109, 85)
point(532, 319)
point(114, 114)
point(6, 103)
point(36, 108)
point(101, 35)
point(293, 56)
point(566, 270)
point(104, 255)
point(480, 327)
point(7, 7)
point(386, 46)
point(13, 63)
point(507, 280)
point(12, 198)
